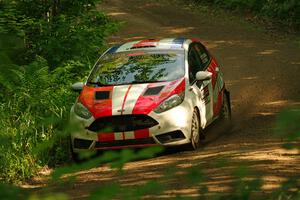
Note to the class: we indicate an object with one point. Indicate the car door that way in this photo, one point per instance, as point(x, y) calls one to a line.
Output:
point(201, 89)
point(210, 64)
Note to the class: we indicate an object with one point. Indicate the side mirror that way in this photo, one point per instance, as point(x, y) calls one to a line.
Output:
point(203, 75)
point(77, 87)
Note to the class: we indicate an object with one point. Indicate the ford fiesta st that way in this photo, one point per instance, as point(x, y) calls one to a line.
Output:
point(149, 92)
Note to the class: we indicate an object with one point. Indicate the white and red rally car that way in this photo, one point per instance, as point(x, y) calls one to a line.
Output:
point(149, 92)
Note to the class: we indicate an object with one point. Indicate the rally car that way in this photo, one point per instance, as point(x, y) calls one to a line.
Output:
point(149, 92)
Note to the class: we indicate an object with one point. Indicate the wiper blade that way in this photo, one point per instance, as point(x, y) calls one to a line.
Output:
point(153, 81)
point(97, 83)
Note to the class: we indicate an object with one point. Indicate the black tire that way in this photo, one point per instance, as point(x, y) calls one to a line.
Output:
point(225, 114)
point(75, 156)
point(195, 128)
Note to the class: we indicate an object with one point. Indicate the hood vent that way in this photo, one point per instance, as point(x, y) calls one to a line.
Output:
point(102, 95)
point(153, 91)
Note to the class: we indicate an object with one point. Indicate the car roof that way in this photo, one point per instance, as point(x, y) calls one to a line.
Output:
point(150, 44)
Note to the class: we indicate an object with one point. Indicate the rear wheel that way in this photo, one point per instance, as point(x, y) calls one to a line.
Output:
point(226, 109)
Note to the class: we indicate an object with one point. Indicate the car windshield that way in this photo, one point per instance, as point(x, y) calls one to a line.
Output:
point(138, 67)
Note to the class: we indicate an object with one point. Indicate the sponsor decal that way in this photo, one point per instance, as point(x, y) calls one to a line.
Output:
point(205, 97)
point(204, 57)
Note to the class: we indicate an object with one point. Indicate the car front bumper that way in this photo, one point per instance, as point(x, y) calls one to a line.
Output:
point(173, 129)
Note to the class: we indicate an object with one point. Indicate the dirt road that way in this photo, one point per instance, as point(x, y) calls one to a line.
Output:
point(262, 73)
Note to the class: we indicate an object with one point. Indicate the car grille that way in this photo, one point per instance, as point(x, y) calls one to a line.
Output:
point(122, 123)
point(120, 143)
point(82, 144)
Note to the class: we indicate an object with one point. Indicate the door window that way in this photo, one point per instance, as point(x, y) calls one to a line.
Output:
point(195, 64)
point(203, 55)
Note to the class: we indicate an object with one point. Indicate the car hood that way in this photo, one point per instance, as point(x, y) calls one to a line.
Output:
point(128, 99)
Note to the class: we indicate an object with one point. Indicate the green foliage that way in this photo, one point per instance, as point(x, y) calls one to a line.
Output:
point(30, 113)
point(72, 38)
point(9, 192)
point(58, 31)
point(57, 196)
point(44, 47)
point(288, 127)
point(105, 193)
point(53, 8)
point(116, 160)
point(284, 11)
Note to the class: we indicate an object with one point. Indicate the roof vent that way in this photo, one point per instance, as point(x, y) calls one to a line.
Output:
point(142, 47)
point(145, 44)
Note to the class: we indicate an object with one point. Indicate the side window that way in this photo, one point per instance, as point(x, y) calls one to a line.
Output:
point(203, 54)
point(194, 63)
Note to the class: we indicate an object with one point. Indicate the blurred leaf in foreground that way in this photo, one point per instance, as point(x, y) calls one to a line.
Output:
point(288, 127)
point(57, 196)
point(9, 192)
point(105, 192)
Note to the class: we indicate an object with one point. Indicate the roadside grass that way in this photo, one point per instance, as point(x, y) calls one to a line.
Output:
point(42, 52)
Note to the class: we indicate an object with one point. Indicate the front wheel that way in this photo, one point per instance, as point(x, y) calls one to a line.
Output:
point(74, 155)
point(195, 131)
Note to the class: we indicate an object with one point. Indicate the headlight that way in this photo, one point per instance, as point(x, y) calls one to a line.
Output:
point(170, 102)
point(82, 111)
